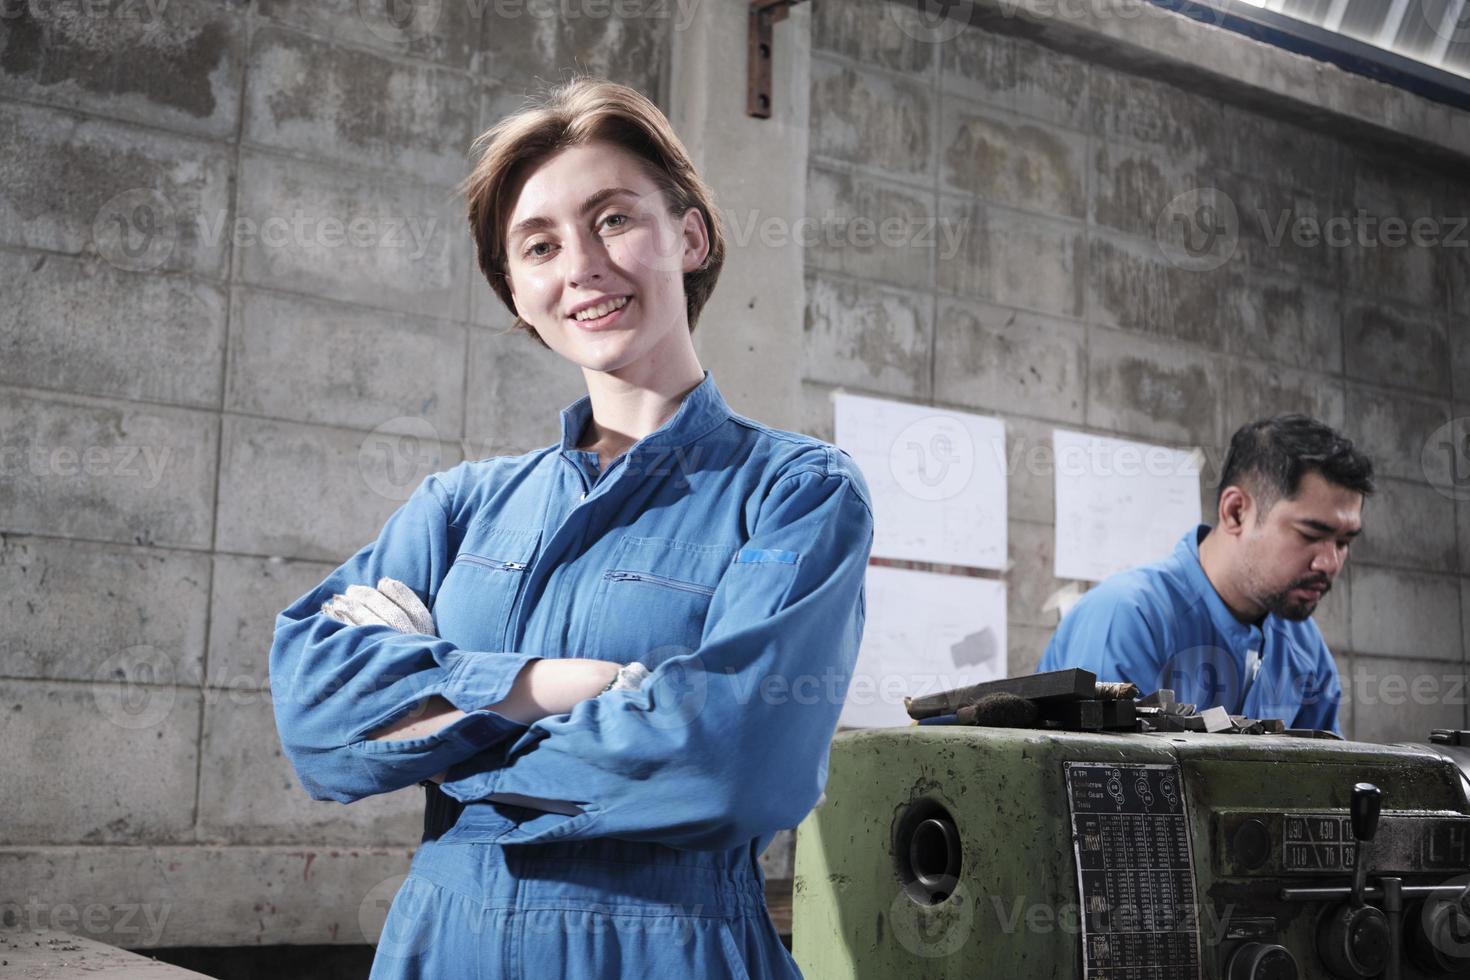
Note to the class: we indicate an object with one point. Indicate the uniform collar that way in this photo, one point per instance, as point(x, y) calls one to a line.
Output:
point(702, 409)
point(1187, 553)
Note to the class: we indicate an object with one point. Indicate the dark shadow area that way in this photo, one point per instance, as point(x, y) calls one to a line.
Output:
point(276, 962)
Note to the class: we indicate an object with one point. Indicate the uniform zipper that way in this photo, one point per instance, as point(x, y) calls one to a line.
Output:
point(617, 575)
point(504, 566)
point(586, 489)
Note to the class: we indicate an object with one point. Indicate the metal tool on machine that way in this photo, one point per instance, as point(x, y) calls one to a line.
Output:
point(1047, 827)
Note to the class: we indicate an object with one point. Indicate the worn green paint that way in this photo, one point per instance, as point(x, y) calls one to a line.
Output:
point(1015, 912)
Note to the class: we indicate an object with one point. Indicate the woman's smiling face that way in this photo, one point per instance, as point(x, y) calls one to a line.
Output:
point(592, 232)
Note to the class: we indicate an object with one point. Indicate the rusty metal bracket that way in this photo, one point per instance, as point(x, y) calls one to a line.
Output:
point(763, 13)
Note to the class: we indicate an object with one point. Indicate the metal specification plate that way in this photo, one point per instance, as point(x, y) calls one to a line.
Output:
point(1135, 872)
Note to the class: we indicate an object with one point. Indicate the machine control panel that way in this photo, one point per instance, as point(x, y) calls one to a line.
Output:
point(1316, 842)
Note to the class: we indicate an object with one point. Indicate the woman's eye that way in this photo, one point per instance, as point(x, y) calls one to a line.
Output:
point(534, 250)
point(621, 220)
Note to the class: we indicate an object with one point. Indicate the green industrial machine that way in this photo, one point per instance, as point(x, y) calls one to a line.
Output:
point(953, 851)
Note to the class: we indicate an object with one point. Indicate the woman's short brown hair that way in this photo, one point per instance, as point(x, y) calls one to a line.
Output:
point(584, 110)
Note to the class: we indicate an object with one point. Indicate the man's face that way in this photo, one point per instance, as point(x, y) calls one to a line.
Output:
point(1292, 556)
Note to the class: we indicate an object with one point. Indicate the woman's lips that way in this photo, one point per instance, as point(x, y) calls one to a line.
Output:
point(604, 322)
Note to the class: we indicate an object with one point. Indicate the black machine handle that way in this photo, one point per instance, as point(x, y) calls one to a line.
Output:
point(1367, 799)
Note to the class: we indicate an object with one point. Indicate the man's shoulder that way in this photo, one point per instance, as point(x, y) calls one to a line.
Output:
point(1152, 591)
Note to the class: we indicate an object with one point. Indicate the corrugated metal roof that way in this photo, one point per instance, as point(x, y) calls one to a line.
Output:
point(1435, 33)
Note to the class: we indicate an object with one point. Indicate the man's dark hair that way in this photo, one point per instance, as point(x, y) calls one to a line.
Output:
point(1270, 456)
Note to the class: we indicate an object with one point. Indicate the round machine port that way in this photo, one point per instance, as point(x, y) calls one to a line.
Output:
point(928, 852)
point(1262, 961)
point(1251, 844)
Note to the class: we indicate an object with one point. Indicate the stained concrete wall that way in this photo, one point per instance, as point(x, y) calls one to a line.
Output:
point(234, 274)
point(241, 320)
point(1036, 166)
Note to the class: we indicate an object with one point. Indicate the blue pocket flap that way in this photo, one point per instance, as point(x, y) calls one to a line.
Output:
point(753, 556)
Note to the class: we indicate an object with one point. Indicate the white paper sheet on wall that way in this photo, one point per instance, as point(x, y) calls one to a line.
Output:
point(1120, 504)
point(937, 478)
point(924, 633)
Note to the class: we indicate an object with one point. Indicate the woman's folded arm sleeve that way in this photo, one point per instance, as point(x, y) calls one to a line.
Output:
point(333, 684)
point(728, 742)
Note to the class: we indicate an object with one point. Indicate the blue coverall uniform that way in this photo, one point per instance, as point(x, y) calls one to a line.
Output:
point(620, 839)
point(1164, 625)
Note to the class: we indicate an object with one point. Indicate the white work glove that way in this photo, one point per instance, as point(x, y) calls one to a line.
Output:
point(394, 604)
point(391, 604)
point(628, 678)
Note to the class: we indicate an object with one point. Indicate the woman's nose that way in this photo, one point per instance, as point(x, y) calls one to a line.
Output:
point(586, 259)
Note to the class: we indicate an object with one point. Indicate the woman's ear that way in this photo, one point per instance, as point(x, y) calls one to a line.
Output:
point(696, 240)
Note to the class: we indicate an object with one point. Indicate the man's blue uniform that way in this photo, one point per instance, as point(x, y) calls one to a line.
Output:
point(728, 558)
point(1164, 625)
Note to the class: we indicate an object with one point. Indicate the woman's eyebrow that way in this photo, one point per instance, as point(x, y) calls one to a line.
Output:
point(537, 222)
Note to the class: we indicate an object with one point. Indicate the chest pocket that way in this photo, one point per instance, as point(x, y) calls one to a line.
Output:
point(652, 600)
point(478, 597)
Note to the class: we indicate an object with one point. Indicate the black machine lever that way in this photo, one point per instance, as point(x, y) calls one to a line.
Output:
point(1356, 939)
point(1367, 800)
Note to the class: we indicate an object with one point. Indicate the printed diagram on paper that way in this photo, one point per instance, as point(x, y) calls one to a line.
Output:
point(925, 633)
point(1119, 504)
point(937, 479)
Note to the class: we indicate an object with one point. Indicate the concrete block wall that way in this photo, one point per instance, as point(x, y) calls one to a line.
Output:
point(235, 274)
point(241, 322)
point(1054, 292)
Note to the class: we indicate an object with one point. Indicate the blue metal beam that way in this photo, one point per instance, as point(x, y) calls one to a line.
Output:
point(1345, 52)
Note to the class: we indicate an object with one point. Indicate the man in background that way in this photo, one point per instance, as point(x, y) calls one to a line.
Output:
point(1226, 619)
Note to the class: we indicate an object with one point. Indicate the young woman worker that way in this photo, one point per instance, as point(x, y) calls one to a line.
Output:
point(640, 637)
